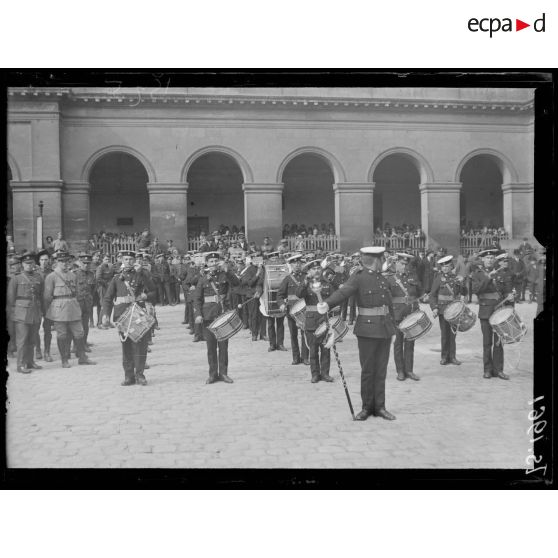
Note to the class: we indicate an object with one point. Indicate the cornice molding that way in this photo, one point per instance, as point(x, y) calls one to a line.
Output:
point(263, 188)
point(167, 188)
point(354, 187)
point(36, 185)
point(518, 188)
point(440, 187)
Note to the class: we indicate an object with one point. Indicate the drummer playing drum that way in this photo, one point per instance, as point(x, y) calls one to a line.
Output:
point(492, 291)
point(405, 290)
point(210, 300)
point(446, 288)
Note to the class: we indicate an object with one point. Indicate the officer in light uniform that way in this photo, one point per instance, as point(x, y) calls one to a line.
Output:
point(374, 328)
point(85, 281)
point(446, 288)
point(405, 289)
point(25, 293)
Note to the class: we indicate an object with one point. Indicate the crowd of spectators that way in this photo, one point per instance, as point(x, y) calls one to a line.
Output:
point(403, 231)
point(310, 230)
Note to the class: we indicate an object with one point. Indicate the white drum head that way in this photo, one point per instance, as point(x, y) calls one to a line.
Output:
point(411, 319)
point(220, 320)
point(298, 306)
point(501, 315)
point(453, 310)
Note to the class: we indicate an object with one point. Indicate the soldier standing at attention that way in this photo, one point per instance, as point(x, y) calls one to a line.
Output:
point(249, 279)
point(85, 282)
point(129, 286)
point(13, 269)
point(405, 289)
point(375, 325)
point(103, 276)
point(43, 270)
point(446, 288)
point(210, 300)
point(25, 293)
point(64, 310)
point(490, 292)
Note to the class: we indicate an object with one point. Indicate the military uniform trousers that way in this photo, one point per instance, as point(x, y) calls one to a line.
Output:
point(133, 357)
point(217, 353)
point(276, 331)
point(403, 353)
point(12, 346)
point(101, 290)
point(25, 335)
point(299, 351)
point(492, 350)
point(320, 357)
point(47, 333)
point(255, 317)
point(374, 357)
point(65, 331)
point(447, 339)
point(86, 314)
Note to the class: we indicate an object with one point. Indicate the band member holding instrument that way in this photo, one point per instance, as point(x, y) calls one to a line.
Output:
point(127, 287)
point(491, 293)
point(250, 277)
point(287, 293)
point(190, 283)
point(406, 290)
point(210, 300)
point(319, 355)
point(374, 328)
point(446, 288)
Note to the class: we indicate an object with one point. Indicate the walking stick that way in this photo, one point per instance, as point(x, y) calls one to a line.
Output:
point(316, 287)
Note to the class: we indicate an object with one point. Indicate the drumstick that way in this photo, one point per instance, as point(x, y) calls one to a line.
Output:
point(337, 359)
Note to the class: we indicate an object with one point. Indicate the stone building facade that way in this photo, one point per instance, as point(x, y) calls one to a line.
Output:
point(183, 159)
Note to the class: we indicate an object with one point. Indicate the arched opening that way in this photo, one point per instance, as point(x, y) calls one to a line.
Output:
point(119, 201)
point(396, 193)
point(308, 197)
point(481, 198)
point(9, 205)
point(215, 196)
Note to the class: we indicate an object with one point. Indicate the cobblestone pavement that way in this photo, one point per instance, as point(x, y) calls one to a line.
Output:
point(272, 416)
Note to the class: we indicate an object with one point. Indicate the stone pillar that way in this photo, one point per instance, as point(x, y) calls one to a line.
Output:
point(354, 212)
point(168, 213)
point(26, 198)
point(519, 210)
point(75, 200)
point(263, 213)
point(440, 215)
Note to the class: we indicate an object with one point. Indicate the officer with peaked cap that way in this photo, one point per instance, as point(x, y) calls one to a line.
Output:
point(25, 292)
point(249, 279)
point(374, 328)
point(103, 276)
point(43, 270)
point(64, 310)
point(85, 282)
point(490, 293)
point(406, 290)
point(127, 287)
point(211, 300)
point(287, 293)
point(446, 288)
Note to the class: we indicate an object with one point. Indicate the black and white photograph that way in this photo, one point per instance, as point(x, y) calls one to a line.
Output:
point(267, 276)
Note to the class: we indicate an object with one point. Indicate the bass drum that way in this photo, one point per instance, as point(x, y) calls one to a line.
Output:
point(273, 277)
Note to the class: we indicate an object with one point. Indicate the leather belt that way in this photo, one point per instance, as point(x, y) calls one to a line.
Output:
point(124, 299)
point(376, 311)
point(446, 297)
point(487, 296)
point(207, 299)
point(311, 308)
point(64, 296)
point(404, 300)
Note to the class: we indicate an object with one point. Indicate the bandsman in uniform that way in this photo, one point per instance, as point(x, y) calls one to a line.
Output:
point(249, 279)
point(127, 287)
point(320, 356)
point(25, 293)
point(287, 293)
point(43, 270)
point(490, 292)
point(103, 276)
point(210, 301)
point(14, 267)
point(85, 282)
point(446, 288)
point(189, 285)
point(95, 262)
point(406, 290)
point(375, 325)
point(64, 310)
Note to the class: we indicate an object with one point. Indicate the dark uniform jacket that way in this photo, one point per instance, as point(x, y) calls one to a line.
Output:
point(405, 300)
point(118, 294)
point(288, 287)
point(208, 303)
point(191, 280)
point(25, 292)
point(85, 283)
point(103, 274)
point(313, 318)
point(371, 290)
point(161, 271)
point(428, 274)
point(249, 279)
point(490, 291)
point(445, 289)
point(60, 297)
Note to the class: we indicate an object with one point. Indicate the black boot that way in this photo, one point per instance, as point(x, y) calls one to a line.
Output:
point(81, 353)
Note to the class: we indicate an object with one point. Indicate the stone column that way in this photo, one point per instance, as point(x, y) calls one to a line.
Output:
point(263, 213)
point(168, 213)
point(75, 200)
point(440, 215)
point(519, 210)
point(354, 212)
point(26, 197)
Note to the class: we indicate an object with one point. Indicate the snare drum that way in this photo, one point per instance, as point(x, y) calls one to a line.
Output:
point(226, 325)
point(460, 316)
point(339, 327)
point(298, 313)
point(415, 325)
point(508, 325)
point(134, 323)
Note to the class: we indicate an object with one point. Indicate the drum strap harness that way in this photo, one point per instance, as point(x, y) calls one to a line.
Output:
point(124, 337)
point(402, 287)
point(219, 298)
